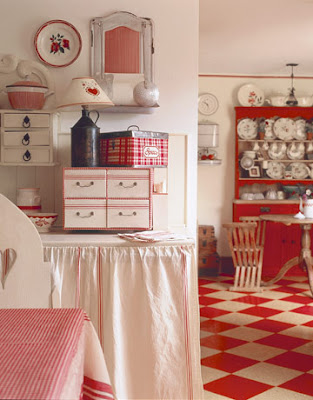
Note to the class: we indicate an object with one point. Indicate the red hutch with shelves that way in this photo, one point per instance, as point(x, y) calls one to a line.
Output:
point(281, 243)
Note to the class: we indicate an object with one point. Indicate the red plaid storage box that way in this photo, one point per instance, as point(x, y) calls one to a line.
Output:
point(134, 148)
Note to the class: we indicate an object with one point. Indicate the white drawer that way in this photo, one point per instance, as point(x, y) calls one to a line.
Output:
point(29, 155)
point(129, 183)
point(85, 213)
point(129, 214)
point(29, 138)
point(84, 183)
point(26, 120)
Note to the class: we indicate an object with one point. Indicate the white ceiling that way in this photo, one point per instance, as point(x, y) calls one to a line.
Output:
point(256, 37)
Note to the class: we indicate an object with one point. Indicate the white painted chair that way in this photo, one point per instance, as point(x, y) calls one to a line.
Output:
point(25, 279)
point(247, 254)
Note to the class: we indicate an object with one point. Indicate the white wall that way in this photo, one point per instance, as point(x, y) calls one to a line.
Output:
point(216, 183)
point(176, 69)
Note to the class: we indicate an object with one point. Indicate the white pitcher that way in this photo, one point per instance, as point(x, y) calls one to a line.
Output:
point(28, 200)
point(306, 207)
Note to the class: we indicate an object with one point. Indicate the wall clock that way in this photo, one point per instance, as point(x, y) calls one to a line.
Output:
point(207, 104)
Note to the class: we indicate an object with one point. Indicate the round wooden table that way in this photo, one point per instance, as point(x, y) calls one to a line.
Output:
point(304, 260)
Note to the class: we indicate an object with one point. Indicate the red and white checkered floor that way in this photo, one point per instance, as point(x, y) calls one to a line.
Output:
point(256, 346)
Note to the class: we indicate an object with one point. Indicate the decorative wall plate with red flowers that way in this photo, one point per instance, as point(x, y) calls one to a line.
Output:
point(58, 43)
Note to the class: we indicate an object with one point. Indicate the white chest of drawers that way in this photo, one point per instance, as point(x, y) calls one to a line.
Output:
point(107, 198)
point(27, 137)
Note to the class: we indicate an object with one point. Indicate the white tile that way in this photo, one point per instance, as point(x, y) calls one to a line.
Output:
point(291, 318)
point(300, 285)
point(232, 306)
point(211, 374)
point(268, 373)
point(217, 286)
point(246, 333)
point(269, 294)
point(237, 318)
point(256, 351)
point(225, 295)
point(280, 394)
point(213, 396)
point(207, 352)
point(204, 334)
point(281, 305)
point(305, 349)
point(302, 332)
point(296, 278)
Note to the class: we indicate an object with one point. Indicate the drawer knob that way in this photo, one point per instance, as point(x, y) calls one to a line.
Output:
point(127, 215)
point(26, 139)
point(85, 216)
point(26, 122)
point(265, 209)
point(88, 185)
point(127, 187)
point(27, 156)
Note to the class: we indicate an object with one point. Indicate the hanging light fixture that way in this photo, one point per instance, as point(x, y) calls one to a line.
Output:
point(291, 98)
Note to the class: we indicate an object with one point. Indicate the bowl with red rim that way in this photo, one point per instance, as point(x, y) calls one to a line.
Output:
point(27, 95)
point(43, 221)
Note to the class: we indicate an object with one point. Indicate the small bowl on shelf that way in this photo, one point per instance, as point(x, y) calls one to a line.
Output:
point(292, 191)
point(43, 221)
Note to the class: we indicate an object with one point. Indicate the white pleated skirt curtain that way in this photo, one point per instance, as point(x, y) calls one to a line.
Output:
point(143, 303)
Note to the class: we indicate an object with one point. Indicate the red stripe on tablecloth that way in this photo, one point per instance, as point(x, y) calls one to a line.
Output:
point(186, 311)
point(36, 349)
point(100, 319)
point(78, 279)
point(96, 385)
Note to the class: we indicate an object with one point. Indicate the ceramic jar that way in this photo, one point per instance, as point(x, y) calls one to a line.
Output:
point(28, 200)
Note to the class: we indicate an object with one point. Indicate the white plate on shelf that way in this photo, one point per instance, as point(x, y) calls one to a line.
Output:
point(295, 151)
point(250, 96)
point(277, 151)
point(284, 128)
point(247, 128)
point(300, 133)
point(275, 170)
point(299, 170)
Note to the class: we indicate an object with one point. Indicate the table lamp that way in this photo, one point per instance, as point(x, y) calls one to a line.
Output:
point(86, 93)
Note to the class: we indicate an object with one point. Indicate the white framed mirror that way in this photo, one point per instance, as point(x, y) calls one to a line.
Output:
point(121, 54)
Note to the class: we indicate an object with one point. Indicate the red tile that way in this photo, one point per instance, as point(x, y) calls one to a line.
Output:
point(252, 300)
point(293, 360)
point(310, 323)
point(263, 312)
point(304, 310)
point(227, 362)
point(237, 388)
point(282, 341)
point(203, 281)
point(205, 301)
point(210, 312)
point(270, 325)
point(301, 384)
point(220, 342)
point(204, 290)
point(287, 289)
point(215, 326)
point(299, 299)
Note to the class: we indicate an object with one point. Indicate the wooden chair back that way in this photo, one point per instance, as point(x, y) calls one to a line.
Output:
point(247, 253)
point(260, 230)
point(25, 279)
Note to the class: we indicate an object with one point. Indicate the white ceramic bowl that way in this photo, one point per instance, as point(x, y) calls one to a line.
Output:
point(277, 101)
point(43, 221)
point(305, 101)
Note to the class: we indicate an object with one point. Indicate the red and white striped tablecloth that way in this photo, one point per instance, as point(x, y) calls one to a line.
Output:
point(50, 354)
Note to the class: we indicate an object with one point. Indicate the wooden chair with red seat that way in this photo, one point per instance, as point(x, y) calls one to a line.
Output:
point(247, 254)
